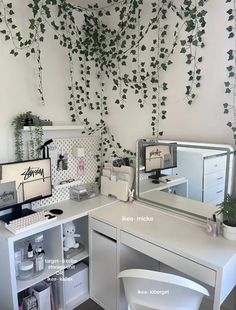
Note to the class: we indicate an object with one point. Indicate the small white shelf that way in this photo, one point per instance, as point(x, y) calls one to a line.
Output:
point(75, 259)
point(66, 185)
point(48, 272)
point(58, 127)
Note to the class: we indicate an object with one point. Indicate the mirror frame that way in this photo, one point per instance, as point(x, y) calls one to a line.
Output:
point(174, 203)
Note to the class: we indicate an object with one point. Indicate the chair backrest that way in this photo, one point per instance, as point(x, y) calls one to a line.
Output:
point(146, 289)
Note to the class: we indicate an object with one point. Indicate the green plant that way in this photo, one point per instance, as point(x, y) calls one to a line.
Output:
point(228, 210)
point(36, 134)
point(114, 43)
point(230, 83)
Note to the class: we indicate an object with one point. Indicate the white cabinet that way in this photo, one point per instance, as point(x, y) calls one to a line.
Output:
point(103, 264)
point(206, 171)
point(12, 287)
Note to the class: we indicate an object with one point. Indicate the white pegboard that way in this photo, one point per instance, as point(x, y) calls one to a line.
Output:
point(62, 146)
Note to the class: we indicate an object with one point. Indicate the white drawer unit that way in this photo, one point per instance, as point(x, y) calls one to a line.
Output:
point(214, 163)
point(209, 172)
point(214, 179)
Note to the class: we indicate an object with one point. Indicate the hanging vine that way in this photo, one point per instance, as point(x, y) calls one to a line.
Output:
point(113, 54)
point(194, 15)
point(230, 84)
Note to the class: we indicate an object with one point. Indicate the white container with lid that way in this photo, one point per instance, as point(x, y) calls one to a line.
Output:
point(26, 269)
point(38, 243)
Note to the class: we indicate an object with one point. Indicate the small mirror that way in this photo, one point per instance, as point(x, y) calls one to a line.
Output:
point(185, 177)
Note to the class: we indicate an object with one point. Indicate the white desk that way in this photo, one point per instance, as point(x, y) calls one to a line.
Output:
point(175, 242)
point(178, 243)
point(176, 184)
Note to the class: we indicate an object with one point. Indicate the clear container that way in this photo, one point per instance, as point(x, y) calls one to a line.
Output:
point(39, 262)
point(26, 269)
point(84, 191)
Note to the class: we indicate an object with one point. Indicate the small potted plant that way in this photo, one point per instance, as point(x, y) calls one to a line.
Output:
point(36, 134)
point(228, 210)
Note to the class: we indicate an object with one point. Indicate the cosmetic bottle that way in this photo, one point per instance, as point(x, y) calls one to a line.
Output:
point(30, 252)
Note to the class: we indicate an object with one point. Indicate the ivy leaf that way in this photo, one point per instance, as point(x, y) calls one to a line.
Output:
point(32, 24)
point(164, 66)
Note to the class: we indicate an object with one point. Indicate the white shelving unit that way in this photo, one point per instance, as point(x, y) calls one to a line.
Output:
point(53, 246)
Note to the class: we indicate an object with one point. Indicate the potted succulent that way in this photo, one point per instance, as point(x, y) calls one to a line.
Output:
point(228, 210)
point(36, 134)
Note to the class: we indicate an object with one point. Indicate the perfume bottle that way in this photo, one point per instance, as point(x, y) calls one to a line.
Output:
point(30, 252)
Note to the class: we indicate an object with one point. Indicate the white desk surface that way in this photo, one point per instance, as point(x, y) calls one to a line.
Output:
point(71, 211)
point(179, 203)
point(147, 185)
point(175, 234)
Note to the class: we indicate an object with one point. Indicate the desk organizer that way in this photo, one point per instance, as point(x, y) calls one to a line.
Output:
point(118, 183)
point(83, 192)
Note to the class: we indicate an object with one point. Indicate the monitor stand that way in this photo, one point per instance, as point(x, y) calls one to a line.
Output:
point(156, 177)
point(17, 212)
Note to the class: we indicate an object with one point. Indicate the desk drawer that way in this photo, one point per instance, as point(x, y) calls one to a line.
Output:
point(214, 179)
point(214, 193)
point(176, 261)
point(214, 164)
point(103, 228)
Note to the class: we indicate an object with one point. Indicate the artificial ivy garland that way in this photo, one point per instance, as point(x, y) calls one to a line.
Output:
point(230, 84)
point(96, 50)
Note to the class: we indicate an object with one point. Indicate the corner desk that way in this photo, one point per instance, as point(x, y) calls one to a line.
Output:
point(168, 239)
point(118, 236)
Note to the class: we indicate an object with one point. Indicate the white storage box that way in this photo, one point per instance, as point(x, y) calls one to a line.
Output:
point(42, 293)
point(76, 283)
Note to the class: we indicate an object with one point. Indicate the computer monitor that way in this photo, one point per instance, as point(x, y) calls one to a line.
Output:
point(158, 157)
point(23, 182)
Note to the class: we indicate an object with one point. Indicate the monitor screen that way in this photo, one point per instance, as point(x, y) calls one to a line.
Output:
point(25, 181)
point(160, 156)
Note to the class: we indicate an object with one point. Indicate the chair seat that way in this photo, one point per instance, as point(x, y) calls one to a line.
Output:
point(152, 290)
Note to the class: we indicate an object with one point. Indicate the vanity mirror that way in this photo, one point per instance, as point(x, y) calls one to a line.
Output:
point(185, 177)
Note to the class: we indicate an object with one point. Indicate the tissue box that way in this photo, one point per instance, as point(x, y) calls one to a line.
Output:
point(75, 283)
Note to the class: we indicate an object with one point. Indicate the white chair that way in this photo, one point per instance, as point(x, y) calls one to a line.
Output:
point(149, 290)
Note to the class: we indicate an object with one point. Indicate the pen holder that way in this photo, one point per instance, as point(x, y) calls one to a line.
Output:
point(213, 228)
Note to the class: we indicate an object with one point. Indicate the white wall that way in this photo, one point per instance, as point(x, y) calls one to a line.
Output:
point(203, 121)
point(18, 80)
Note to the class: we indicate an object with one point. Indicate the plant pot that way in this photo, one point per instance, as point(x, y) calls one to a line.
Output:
point(229, 232)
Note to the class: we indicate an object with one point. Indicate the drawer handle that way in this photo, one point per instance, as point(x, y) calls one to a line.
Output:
point(219, 192)
point(220, 178)
point(103, 235)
